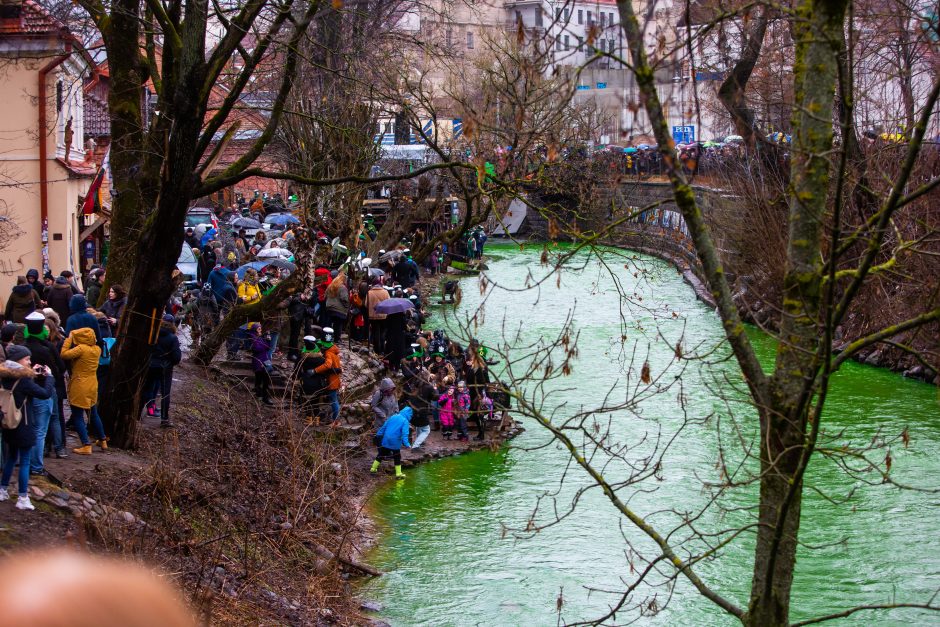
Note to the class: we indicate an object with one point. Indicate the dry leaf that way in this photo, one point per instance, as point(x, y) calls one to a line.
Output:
point(645, 373)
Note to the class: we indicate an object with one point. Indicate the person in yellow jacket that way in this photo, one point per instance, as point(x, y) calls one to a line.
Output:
point(248, 290)
point(82, 351)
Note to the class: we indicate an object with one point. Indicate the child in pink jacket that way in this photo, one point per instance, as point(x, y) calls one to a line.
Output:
point(463, 410)
point(448, 404)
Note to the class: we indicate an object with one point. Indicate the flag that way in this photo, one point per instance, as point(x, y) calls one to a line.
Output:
point(93, 197)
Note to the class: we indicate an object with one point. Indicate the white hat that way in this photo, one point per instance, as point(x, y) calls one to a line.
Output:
point(36, 316)
point(309, 338)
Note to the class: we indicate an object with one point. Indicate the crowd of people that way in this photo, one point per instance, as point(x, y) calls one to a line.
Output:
point(56, 342)
point(57, 339)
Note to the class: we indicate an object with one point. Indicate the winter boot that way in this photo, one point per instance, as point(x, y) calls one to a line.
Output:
point(373, 470)
point(22, 502)
point(398, 473)
point(83, 450)
point(103, 443)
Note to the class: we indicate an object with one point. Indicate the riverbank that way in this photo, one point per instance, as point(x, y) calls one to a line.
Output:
point(258, 517)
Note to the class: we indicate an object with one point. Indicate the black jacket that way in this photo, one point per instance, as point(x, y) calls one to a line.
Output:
point(45, 353)
point(421, 400)
point(166, 353)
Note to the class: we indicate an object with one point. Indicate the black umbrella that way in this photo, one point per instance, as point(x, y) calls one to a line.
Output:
point(394, 306)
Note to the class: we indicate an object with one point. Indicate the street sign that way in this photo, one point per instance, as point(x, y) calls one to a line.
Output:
point(583, 87)
point(683, 134)
point(602, 85)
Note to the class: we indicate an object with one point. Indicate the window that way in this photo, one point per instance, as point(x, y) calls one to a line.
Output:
point(567, 44)
point(518, 17)
point(58, 97)
point(538, 16)
point(603, 20)
point(610, 46)
point(580, 16)
point(580, 44)
point(611, 19)
point(589, 18)
point(558, 14)
point(558, 44)
point(449, 37)
point(470, 40)
point(566, 14)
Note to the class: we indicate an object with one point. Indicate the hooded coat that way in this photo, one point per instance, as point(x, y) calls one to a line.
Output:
point(331, 368)
point(28, 385)
point(93, 291)
point(384, 405)
point(394, 431)
point(58, 297)
point(23, 301)
point(82, 350)
point(80, 318)
point(166, 353)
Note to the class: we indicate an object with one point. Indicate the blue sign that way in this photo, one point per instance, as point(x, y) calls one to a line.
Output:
point(683, 134)
point(602, 85)
point(583, 87)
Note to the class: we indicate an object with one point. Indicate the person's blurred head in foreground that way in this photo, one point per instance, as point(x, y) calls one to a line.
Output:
point(68, 589)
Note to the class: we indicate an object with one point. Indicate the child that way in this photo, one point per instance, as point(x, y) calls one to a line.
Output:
point(486, 406)
point(463, 410)
point(447, 403)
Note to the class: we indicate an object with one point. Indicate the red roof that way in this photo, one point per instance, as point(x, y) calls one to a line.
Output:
point(32, 20)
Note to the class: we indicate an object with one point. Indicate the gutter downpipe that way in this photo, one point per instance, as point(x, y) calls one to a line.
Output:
point(43, 169)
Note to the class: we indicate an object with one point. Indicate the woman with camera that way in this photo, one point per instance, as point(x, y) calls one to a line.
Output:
point(26, 382)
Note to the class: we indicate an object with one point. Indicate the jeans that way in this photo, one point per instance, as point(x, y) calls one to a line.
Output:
point(78, 417)
point(423, 433)
point(338, 323)
point(12, 453)
point(275, 336)
point(332, 397)
point(56, 430)
point(39, 414)
point(462, 425)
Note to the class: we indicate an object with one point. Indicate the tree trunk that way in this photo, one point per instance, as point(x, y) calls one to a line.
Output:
point(784, 425)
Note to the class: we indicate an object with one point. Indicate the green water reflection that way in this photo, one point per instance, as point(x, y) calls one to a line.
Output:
point(450, 561)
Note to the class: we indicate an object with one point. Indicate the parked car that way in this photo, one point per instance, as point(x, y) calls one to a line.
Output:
point(187, 264)
point(199, 215)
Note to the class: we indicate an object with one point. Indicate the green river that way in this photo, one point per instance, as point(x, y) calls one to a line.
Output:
point(450, 561)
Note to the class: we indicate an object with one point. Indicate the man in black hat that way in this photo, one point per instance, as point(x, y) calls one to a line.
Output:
point(45, 411)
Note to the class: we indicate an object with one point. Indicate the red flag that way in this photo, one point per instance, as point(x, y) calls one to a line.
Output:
point(92, 202)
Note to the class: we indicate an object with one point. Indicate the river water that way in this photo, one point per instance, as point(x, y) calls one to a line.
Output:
point(448, 543)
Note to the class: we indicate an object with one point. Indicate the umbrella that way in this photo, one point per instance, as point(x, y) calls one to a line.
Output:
point(630, 150)
point(261, 265)
point(394, 306)
point(734, 138)
point(644, 146)
point(376, 272)
point(282, 219)
point(268, 253)
point(246, 223)
point(390, 255)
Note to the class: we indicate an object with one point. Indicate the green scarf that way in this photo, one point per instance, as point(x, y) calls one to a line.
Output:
point(42, 335)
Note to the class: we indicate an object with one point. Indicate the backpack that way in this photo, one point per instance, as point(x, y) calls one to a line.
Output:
point(11, 413)
point(106, 344)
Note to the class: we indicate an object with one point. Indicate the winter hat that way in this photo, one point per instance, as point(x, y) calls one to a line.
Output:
point(386, 385)
point(33, 273)
point(15, 352)
point(35, 324)
point(61, 280)
point(78, 304)
point(52, 314)
point(168, 318)
point(7, 332)
point(327, 340)
point(310, 344)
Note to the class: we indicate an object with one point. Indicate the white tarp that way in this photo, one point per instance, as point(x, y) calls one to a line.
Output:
point(512, 220)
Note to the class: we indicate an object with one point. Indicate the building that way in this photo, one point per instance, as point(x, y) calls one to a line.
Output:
point(43, 161)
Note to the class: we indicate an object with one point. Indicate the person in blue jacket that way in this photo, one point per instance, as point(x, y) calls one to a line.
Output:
point(80, 318)
point(391, 436)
